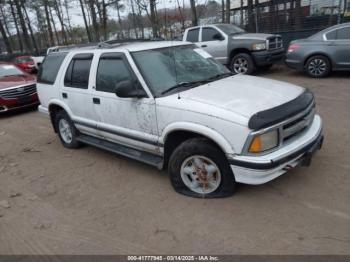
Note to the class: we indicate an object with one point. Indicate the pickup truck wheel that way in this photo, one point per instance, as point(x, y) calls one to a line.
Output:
point(66, 130)
point(242, 64)
point(198, 168)
point(318, 66)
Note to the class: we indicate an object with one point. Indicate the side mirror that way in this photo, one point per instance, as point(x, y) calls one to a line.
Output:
point(127, 88)
point(218, 36)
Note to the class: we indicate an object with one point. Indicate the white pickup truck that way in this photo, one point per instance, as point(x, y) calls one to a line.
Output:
point(171, 105)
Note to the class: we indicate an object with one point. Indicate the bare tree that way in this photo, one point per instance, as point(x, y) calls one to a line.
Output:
point(29, 26)
point(56, 6)
point(194, 13)
point(228, 11)
point(91, 4)
point(23, 25)
point(154, 22)
point(5, 38)
point(85, 21)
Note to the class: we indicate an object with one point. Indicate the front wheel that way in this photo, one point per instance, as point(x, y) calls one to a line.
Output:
point(242, 64)
point(198, 168)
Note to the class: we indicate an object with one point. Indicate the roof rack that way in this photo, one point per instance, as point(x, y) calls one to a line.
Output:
point(105, 44)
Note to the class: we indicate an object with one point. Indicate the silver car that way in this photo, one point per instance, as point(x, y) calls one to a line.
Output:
point(322, 53)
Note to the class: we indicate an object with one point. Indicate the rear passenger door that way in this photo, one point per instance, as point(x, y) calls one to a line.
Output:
point(127, 121)
point(339, 45)
point(76, 92)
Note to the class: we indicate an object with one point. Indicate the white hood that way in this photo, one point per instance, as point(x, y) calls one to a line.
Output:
point(243, 95)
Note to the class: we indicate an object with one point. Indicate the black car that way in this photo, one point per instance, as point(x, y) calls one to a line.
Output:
point(322, 53)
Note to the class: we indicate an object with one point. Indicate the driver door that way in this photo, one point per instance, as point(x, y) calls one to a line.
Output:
point(215, 43)
point(127, 121)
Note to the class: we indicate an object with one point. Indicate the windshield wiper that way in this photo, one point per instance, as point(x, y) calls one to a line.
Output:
point(219, 76)
point(182, 84)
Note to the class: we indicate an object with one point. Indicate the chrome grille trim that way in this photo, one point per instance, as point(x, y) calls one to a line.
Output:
point(17, 92)
point(275, 43)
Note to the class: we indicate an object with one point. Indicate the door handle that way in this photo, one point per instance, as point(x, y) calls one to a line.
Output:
point(203, 45)
point(96, 101)
point(64, 95)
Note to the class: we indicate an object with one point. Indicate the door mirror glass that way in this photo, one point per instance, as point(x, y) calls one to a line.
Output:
point(127, 88)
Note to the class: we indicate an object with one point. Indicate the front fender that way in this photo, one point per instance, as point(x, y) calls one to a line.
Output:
point(205, 131)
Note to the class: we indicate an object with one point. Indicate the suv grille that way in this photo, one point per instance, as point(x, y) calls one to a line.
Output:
point(297, 126)
point(275, 43)
point(18, 92)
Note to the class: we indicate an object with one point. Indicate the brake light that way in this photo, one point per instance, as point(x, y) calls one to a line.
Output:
point(293, 47)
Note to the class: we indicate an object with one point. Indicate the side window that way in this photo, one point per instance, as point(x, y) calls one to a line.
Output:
point(112, 69)
point(343, 33)
point(208, 34)
point(332, 35)
point(192, 35)
point(48, 71)
point(78, 71)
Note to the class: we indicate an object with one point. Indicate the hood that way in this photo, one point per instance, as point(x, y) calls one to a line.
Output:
point(17, 80)
point(243, 95)
point(255, 36)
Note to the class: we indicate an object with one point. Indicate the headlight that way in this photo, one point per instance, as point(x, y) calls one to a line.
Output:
point(263, 142)
point(258, 47)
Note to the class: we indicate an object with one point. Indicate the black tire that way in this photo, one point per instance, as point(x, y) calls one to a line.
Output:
point(203, 147)
point(318, 66)
point(243, 57)
point(62, 115)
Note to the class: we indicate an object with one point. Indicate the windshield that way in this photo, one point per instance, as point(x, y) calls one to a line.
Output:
point(8, 70)
point(181, 66)
point(230, 29)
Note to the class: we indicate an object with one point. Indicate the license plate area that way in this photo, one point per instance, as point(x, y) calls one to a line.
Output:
point(24, 99)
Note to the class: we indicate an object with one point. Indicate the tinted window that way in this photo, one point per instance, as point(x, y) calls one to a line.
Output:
point(110, 71)
point(9, 70)
point(208, 34)
point(192, 35)
point(78, 71)
point(343, 33)
point(49, 69)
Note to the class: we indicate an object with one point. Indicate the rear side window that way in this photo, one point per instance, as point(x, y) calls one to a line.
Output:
point(112, 69)
point(49, 69)
point(78, 71)
point(343, 33)
point(192, 35)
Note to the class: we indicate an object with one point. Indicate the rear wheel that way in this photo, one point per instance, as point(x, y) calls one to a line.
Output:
point(66, 130)
point(198, 168)
point(318, 66)
point(242, 64)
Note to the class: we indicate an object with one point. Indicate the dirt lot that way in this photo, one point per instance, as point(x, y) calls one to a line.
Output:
point(89, 201)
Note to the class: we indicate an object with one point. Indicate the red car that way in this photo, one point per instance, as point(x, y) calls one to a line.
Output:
point(17, 88)
point(26, 63)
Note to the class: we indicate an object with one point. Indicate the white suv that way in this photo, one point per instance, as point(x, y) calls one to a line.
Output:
point(170, 104)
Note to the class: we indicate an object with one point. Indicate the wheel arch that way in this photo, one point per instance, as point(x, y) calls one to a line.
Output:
point(55, 106)
point(174, 134)
point(236, 51)
point(315, 54)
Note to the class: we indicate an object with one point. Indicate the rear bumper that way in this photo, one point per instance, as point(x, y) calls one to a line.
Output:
point(261, 169)
point(262, 58)
point(294, 64)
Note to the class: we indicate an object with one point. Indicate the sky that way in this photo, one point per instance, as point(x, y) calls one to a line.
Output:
point(77, 19)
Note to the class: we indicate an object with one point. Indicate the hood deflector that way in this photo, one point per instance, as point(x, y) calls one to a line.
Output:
point(277, 114)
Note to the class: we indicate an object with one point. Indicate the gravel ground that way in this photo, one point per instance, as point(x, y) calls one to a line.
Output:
point(87, 201)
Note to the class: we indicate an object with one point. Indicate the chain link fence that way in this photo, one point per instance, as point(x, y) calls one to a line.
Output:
point(293, 19)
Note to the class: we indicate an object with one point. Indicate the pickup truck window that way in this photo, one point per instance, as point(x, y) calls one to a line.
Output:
point(49, 69)
point(78, 71)
point(110, 71)
point(168, 67)
point(192, 35)
point(208, 34)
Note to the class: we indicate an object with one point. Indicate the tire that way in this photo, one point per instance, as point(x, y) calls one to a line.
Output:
point(213, 158)
point(63, 122)
point(318, 66)
point(242, 63)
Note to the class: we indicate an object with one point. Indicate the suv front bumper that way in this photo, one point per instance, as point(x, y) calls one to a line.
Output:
point(262, 58)
point(256, 170)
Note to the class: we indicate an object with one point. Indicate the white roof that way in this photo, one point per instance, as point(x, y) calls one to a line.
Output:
point(140, 46)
